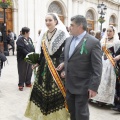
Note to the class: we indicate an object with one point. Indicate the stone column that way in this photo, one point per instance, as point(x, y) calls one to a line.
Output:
point(15, 20)
point(70, 8)
point(30, 17)
point(37, 16)
point(21, 14)
point(118, 18)
point(26, 11)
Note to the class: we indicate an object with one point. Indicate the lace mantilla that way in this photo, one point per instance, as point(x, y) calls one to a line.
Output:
point(57, 40)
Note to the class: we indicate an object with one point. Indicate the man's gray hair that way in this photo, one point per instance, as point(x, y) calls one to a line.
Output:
point(80, 20)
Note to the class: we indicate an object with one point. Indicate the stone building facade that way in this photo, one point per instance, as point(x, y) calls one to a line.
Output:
point(31, 13)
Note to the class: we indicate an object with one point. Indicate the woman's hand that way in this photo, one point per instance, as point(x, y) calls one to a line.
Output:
point(63, 74)
point(34, 66)
point(60, 67)
point(117, 58)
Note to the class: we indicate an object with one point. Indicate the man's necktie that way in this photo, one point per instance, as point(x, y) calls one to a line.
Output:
point(72, 46)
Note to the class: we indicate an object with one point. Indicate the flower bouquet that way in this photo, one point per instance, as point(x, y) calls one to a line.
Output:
point(32, 58)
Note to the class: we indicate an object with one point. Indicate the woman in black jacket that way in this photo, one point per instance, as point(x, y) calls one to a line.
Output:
point(117, 96)
point(24, 46)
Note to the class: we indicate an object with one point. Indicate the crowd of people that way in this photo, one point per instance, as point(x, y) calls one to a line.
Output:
point(10, 40)
point(74, 67)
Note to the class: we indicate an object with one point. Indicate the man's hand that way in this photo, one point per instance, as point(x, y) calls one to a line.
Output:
point(92, 93)
point(34, 66)
point(63, 74)
point(60, 67)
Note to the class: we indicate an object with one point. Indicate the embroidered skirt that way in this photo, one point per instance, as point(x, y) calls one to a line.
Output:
point(46, 101)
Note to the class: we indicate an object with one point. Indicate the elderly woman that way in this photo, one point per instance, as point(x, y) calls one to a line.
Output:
point(24, 46)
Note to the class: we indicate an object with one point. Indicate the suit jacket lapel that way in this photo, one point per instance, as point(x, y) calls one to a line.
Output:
point(79, 45)
point(68, 47)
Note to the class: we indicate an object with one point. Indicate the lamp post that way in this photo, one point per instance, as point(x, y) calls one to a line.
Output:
point(4, 5)
point(4, 35)
point(101, 10)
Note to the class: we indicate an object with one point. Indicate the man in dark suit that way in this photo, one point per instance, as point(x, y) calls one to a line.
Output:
point(82, 60)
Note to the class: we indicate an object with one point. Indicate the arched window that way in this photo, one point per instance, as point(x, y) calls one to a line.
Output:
point(90, 20)
point(112, 20)
point(89, 15)
point(55, 7)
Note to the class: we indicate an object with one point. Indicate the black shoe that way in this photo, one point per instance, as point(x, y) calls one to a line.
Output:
point(28, 85)
point(116, 109)
point(20, 88)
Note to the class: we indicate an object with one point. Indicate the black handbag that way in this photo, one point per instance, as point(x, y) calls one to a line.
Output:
point(3, 57)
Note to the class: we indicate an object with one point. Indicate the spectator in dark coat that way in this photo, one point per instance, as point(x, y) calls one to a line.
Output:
point(10, 41)
point(24, 46)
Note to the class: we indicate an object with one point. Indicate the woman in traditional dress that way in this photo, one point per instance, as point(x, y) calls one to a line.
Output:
point(117, 96)
point(110, 44)
point(46, 100)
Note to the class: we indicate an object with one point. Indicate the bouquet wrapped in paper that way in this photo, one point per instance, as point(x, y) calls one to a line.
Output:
point(32, 58)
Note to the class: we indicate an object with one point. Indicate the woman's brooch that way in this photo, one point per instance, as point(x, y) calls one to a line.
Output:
point(25, 42)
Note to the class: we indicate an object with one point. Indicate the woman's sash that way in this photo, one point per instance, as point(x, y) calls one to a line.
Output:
point(53, 72)
point(109, 56)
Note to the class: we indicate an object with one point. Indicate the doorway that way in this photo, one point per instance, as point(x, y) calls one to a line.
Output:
point(9, 20)
point(90, 25)
point(90, 20)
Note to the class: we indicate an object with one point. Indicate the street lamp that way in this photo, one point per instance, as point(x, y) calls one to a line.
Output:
point(101, 10)
point(4, 33)
point(4, 5)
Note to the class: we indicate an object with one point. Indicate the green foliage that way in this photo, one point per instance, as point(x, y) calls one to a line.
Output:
point(101, 20)
point(5, 3)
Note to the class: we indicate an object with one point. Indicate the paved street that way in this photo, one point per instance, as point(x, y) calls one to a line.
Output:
point(13, 102)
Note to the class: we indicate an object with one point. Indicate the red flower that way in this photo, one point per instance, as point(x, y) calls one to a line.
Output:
point(3, 1)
